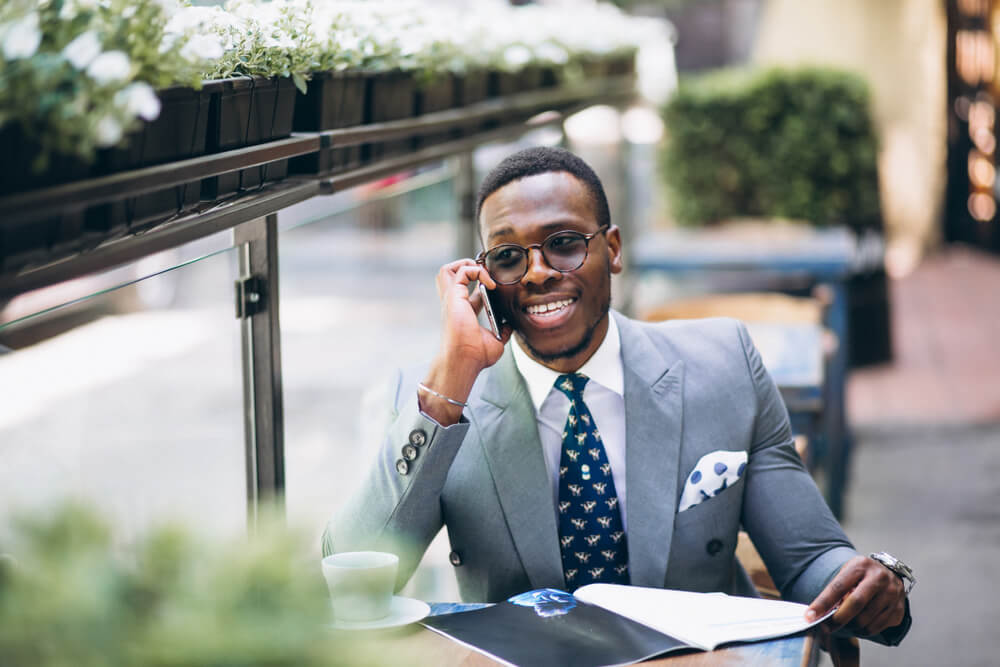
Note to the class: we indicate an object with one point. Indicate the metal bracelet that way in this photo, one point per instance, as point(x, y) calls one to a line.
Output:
point(421, 385)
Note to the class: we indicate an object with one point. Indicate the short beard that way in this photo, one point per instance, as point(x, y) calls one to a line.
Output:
point(569, 352)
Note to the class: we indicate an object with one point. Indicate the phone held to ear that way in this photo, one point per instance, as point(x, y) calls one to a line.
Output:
point(492, 311)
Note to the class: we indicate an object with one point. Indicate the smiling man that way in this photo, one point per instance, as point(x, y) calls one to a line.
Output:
point(583, 446)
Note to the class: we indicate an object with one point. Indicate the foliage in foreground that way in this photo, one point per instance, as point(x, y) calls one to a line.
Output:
point(67, 599)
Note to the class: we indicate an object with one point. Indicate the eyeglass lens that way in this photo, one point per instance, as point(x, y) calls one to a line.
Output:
point(564, 251)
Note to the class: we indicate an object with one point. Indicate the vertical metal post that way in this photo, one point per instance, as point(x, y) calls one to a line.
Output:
point(465, 193)
point(257, 309)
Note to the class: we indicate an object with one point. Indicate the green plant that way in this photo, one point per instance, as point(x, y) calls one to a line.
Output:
point(269, 39)
point(796, 144)
point(67, 598)
point(76, 75)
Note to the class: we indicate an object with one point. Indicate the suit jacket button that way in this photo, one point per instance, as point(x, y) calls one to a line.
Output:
point(402, 467)
point(454, 558)
point(713, 547)
point(409, 452)
point(418, 437)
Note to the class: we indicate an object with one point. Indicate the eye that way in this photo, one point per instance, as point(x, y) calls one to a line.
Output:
point(506, 256)
point(564, 242)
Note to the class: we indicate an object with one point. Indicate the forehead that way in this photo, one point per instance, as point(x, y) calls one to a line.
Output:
point(538, 204)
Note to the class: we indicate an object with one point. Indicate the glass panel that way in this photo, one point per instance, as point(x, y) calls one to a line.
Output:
point(130, 399)
point(358, 300)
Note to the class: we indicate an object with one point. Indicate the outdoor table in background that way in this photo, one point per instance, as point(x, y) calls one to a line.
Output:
point(793, 355)
point(780, 258)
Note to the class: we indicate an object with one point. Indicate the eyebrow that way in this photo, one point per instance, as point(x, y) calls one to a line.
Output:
point(550, 227)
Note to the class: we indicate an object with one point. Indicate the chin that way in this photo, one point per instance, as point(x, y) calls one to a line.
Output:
point(567, 351)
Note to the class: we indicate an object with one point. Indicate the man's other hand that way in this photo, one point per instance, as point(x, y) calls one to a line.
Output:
point(871, 598)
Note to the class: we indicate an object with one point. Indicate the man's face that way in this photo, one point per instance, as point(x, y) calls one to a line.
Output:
point(560, 318)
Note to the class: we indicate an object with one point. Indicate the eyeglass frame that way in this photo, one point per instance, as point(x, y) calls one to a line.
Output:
point(481, 257)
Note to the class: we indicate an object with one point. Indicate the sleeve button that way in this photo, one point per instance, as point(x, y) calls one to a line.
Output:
point(409, 452)
point(418, 437)
point(402, 467)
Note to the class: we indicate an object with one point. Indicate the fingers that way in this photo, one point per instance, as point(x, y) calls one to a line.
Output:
point(886, 606)
point(476, 299)
point(871, 598)
point(464, 272)
point(845, 581)
point(889, 618)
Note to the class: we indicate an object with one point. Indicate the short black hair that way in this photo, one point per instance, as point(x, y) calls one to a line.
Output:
point(542, 160)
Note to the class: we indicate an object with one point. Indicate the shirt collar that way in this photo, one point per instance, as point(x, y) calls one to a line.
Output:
point(604, 367)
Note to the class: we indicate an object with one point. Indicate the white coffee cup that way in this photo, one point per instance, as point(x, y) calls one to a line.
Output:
point(361, 584)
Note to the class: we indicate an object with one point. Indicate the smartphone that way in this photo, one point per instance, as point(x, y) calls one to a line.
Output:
point(492, 311)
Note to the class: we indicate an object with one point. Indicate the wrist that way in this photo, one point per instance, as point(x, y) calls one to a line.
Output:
point(444, 393)
point(897, 567)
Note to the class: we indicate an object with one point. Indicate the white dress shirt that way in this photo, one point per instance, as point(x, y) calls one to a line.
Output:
point(604, 395)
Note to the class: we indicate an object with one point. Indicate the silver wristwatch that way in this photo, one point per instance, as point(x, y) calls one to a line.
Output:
point(901, 569)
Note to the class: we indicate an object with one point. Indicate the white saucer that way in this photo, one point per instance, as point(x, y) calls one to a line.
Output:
point(402, 611)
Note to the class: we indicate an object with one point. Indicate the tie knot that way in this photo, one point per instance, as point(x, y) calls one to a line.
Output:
point(572, 384)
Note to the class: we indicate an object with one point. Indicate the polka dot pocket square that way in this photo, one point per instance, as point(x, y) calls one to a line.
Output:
point(714, 473)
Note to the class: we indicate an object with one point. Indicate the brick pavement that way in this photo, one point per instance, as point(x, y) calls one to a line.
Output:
point(946, 331)
point(924, 472)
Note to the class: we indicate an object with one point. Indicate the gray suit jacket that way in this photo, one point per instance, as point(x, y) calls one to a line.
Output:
point(691, 387)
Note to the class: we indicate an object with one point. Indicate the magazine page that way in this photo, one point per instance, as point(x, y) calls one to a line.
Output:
point(550, 627)
point(705, 620)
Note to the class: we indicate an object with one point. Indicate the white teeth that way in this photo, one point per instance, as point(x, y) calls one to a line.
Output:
point(543, 308)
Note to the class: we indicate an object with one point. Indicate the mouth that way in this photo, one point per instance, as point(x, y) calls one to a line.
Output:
point(549, 309)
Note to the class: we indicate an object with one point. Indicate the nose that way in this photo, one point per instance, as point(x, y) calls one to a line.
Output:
point(539, 272)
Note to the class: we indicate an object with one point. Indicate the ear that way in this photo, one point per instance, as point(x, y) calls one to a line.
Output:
point(614, 238)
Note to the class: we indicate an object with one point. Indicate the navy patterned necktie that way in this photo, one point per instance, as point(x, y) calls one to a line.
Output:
point(591, 535)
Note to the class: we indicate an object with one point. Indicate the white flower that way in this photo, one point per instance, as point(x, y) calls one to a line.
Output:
point(549, 52)
point(202, 47)
point(82, 50)
point(71, 8)
point(138, 99)
point(21, 38)
point(108, 132)
point(517, 55)
point(169, 7)
point(110, 66)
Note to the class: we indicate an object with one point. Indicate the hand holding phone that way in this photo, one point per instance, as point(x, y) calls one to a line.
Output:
point(491, 313)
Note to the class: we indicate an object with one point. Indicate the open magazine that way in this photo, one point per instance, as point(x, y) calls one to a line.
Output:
point(607, 624)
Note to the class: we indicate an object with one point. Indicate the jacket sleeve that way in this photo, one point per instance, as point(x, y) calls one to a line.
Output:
point(784, 513)
point(397, 506)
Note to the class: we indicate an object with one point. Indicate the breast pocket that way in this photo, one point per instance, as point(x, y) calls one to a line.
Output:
point(704, 543)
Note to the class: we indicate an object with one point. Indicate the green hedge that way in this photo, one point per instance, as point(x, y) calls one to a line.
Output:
point(772, 143)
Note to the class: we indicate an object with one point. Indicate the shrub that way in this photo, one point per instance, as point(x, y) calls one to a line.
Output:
point(772, 143)
point(69, 597)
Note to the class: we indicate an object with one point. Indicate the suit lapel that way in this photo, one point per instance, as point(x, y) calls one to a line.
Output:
point(506, 420)
point(653, 428)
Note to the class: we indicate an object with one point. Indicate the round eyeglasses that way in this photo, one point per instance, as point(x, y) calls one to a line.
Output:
point(564, 251)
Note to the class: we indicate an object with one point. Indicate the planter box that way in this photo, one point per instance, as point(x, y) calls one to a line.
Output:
point(35, 242)
point(437, 94)
point(19, 152)
point(388, 96)
point(503, 84)
point(333, 100)
point(177, 134)
point(621, 65)
point(247, 112)
point(470, 88)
